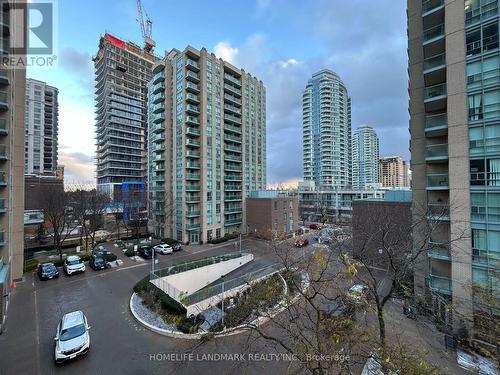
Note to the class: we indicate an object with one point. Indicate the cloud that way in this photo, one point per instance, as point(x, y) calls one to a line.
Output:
point(226, 52)
point(79, 65)
point(78, 167)
point(367, 49)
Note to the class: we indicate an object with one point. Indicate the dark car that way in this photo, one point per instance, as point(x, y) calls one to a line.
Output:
point(145, 252)
point(102, 251)
point(337, 309)
point(97, 262)
point(176, 247)
point(47, 271)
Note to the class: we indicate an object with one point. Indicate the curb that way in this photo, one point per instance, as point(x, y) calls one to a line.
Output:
point(278, 309)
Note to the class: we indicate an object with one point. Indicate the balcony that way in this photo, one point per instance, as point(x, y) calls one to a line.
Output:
point(232, 108)
point(192, 187)
point(2, 237)
point(4, 77)
point(434, 63)
point(232, 128)
point(232, 222)
point(3, 127)
point(232, 79)
point(192, 199)
point(193, 65)
point(159, 76)
point(158, 138)
point(3, 207)
point(232, 210)
point(192, 154)
point(192, 213)
point(437, 182)
point(3, 152)
point(191, 165)
point(232, 148)
point(157, 107)
point(231, 187)
point(429, 6)
point(192, 109)
point(193, 143)
point(157, 97)
point(192, 76)
point(232, 197)
point(436, 153)
point(232, 168)
point(158, 117)
point(195, 226)
point(158, 128)
point(232, 138)
point(436, 125)
point(440, 284)
point(438, 251)
point(438, 212)
point(192, 131)
point(3, 179)
point(4, 100)
point(192, 98)
point(432, 34)
point(435, 92)
point(158, 87)
point(232, 158)
point(192, 120)
point(233, 177)
point(193, 176)
point(232, 99)
point(192, 87)
point(232, 89)
point(233, 119)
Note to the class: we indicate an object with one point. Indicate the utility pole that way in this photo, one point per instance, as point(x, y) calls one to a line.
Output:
point(222, 277)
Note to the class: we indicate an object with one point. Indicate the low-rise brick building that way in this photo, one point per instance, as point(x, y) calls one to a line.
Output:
point(271, 214)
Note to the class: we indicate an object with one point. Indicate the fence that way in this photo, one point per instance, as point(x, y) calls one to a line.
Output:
point(231, 284)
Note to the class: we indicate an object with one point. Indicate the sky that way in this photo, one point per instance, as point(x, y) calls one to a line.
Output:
point(282, 42)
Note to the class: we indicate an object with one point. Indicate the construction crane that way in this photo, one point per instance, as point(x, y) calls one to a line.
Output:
point(146, 27)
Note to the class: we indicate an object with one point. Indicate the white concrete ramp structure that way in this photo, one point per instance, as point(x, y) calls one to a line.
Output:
point(184, 279)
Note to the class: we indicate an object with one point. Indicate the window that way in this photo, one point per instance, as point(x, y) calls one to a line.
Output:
point(482, 40)
point(484, 140)
point(483, 72)
point(275, 205)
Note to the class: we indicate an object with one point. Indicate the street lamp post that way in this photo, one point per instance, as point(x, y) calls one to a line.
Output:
point(240, 242)
point(222, 277)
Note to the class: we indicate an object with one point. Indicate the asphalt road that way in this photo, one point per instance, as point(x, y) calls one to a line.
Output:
point(119, 345)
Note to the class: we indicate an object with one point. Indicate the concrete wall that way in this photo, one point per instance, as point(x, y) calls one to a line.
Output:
point(193, 280)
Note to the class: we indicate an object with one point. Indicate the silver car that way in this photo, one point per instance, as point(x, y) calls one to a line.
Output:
point(72, 337)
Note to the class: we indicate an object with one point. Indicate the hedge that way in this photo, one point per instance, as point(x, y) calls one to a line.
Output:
point(187, 325)
point(30, 265)
point(169, 241)
point(167, 302)
point(130, 252)
point(227, 237)
point(110, 257)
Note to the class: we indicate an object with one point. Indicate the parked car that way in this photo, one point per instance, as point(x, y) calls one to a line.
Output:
point(47, 271)
point(101, 250)
point(97, 262)
point(73, 264)
point(358, 292)
point(313, 226)
point(72, 337)
point(145, 252)
point(163, 249)
point(337, 309)
point(301, 242)
point(176, 247)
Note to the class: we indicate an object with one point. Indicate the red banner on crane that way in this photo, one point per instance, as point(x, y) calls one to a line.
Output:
point(115, 41)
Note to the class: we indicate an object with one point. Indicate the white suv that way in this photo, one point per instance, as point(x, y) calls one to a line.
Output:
point(72, 337)
point(163, 249)
point(73, 264)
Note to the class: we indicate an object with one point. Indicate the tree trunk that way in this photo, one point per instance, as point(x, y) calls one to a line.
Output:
point(381, 325)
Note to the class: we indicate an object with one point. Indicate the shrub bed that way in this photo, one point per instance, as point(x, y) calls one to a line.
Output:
point(227, 237)
point(110, 257)
point(30, 265)
point(130, 252)
point(169, 241)
point(158, 300)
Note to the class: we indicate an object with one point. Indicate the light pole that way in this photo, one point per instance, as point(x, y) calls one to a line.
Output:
point(240, 242)
point(222, 277)
point(153, 259)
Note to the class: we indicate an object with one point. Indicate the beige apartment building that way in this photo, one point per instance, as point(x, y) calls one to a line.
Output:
point(394, 172)
point(454, 75)
point(12, 104)
point(206, 145)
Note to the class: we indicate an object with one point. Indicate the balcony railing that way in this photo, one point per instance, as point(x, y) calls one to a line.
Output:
point(438, 250)
point(435, 91)
point(440, 284)
point(192, 226)
point(438, 211)
point(437, 181)
point(192, 131)
point(434, 61)
point(434, 121)
point(439, 151)
point(192, 97)
point(433, 33)
point(485, 179)
point(428, 5)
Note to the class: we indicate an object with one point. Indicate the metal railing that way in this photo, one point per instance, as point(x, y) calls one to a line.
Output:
point(435, 91)
point(432, 121)
point(242, 281)
point(428, 5)
point(434, 61)
point(437, 180)
point(433, 32)
point(440, 284)
point(436, 151)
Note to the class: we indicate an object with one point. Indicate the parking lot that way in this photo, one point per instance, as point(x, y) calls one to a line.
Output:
point(118, 343)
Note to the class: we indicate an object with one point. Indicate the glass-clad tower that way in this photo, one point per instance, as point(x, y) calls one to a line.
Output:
point(365, 157)
point(454, 71)
point(207, 145)
point(326, 108)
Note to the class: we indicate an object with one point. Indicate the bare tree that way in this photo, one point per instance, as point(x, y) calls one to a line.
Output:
point(58, 217)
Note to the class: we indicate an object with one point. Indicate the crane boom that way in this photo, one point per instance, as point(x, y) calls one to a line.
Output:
point(146, 27)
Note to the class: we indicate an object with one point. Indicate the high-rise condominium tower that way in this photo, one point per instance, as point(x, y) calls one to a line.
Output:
point(122, 71)
point(41, 128)
point(454, 69)
point(207, 145)
point(365, 157)
point(326, 108)
point(394, 172)
point(12, 104)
